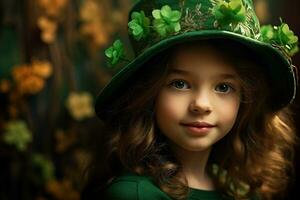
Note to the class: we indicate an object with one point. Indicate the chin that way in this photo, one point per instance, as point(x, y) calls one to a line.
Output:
point(197, 148)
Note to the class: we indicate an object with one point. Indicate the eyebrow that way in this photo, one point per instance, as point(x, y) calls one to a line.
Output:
point(179, 71)
point(221, 75)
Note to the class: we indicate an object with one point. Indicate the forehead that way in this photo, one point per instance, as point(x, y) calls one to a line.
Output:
point(205, 58)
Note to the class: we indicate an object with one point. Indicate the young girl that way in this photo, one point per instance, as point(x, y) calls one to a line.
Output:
point(202, 112)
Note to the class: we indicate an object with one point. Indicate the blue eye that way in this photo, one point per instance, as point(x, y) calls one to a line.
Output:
point(179, 84)
point(224, 88)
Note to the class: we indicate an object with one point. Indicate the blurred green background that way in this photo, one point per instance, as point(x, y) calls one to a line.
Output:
point(52, 66)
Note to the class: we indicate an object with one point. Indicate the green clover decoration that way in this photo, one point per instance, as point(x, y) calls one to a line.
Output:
point(139, 25)
point(267, 33)
point(115, 52)
point(282, 36)
point(229, 13)
point(17, 134)
point(166, 21)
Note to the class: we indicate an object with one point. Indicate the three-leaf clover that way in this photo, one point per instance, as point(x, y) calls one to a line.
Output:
point(267, 33)
point(282, 36)
point(17, 134)
point(166, 20)
point(139, 25)
point(229, 12)
point(286, 37)
point(115, 52)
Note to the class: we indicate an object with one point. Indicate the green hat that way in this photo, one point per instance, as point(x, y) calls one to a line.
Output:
point(157, 25)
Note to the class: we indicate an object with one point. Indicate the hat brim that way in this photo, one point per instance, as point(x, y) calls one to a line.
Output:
point(280, 71)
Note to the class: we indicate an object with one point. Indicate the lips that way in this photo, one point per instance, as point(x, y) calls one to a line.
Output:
point(198, 128)
point(199, 124)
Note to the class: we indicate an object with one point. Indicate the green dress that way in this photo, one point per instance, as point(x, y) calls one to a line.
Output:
point(135, 187)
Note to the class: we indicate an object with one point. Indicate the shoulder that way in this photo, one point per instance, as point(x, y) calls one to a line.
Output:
point(134, 187)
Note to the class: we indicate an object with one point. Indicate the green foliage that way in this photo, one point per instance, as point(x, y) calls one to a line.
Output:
point(17, 134)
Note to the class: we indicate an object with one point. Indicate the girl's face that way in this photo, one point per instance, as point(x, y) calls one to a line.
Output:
point(201, 87)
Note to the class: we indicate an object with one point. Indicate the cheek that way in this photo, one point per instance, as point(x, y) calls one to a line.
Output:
point(169, 107)
point(229, 112)
point(164, 107)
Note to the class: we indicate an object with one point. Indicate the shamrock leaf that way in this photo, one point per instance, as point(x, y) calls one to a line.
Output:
point(287, 38)
point(139, 25)
point(282, 36)
point(267, 33)
point(17, 134)
point(166, 21)
point(115, 52)
point(229, 12)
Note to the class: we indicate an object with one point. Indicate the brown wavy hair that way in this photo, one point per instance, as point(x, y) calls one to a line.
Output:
point(254, 158)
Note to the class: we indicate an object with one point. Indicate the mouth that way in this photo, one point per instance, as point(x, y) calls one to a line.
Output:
point(198, 124)
point(198, 128)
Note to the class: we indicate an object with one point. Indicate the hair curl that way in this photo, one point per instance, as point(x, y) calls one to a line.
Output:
point(257, 154)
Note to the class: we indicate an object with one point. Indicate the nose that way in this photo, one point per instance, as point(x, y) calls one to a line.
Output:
point(200, 103)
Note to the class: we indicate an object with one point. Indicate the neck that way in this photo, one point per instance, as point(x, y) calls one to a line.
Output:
point(194, 167)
